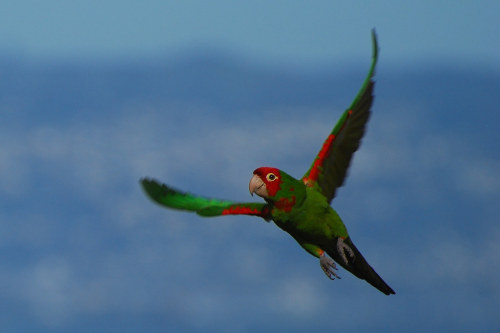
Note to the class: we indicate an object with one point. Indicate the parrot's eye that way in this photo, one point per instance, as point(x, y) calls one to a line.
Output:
point(271, 177)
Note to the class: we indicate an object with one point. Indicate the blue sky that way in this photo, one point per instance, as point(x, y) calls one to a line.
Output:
point(270, 31)
point(234, 86)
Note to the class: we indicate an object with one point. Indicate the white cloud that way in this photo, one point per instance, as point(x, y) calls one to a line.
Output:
point(479, 177)
point(48, 289)
point(298, 297)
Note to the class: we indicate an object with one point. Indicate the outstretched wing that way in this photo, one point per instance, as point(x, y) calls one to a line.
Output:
point(329, 168)
point(171, 198)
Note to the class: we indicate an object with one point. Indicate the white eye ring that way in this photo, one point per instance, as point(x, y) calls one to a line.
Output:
point(271, 177)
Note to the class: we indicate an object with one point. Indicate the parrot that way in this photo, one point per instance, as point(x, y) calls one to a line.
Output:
point(301, 207)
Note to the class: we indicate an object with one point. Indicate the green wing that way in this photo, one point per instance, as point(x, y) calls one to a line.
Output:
point(329, 168)
point(171, 198)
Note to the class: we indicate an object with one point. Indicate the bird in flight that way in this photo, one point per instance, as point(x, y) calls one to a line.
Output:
point(301, 207)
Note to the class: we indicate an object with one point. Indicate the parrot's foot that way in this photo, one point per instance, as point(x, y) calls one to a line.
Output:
point(344, 250)
point(328, 266)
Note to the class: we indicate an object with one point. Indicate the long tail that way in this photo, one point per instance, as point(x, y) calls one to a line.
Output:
point(357, 265)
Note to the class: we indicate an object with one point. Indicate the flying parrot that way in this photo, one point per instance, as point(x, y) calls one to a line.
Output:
point(301, 207)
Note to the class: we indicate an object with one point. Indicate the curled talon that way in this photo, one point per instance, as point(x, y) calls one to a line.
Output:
point(328, 266)
point(343, 248)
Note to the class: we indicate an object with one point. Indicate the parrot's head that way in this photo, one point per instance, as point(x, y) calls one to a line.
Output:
point(273, 184)
point(266, 182)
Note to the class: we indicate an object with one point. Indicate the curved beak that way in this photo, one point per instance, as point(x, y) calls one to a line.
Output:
point(257, 186)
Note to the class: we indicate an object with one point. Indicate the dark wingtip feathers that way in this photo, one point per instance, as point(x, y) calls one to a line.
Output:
point(153, 189)
point(374, 43)
point(150, 186)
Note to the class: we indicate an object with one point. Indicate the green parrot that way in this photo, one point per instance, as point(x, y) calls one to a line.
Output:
point(302, 207)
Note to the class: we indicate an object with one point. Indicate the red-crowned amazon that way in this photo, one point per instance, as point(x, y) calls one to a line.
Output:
point(302, 207)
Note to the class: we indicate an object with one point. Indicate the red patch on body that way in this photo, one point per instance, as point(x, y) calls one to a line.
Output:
point(285, 204)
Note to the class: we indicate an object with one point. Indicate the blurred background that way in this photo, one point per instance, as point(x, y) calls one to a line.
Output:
point(95, 95)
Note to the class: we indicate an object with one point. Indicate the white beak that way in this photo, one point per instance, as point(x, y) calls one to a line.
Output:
point(258, 187)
